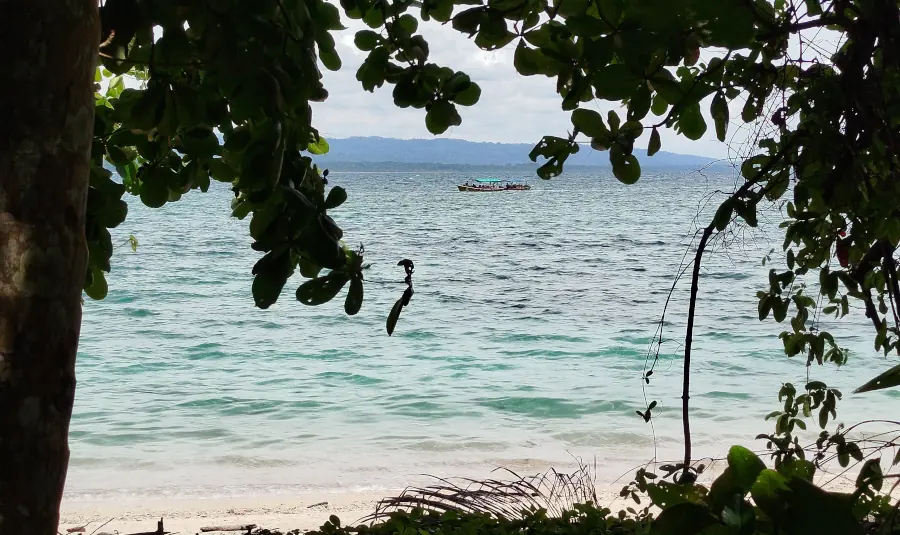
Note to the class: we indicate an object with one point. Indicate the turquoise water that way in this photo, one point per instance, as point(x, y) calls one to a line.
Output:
point(523, 345)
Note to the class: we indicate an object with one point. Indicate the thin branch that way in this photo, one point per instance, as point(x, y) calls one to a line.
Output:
point(688, 339)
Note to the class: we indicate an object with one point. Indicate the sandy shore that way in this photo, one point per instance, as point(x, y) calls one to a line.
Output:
point(281, 512)
point(189, 516)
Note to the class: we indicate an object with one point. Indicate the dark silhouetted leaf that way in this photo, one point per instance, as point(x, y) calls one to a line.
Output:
point(366, 40)
point(589, 122)
point(625, 166)
point(321, 289)
point(888, 379)
point(654, 144)
point(691, 122)
point(393, 316)
point(719, 111)
point(441, 116)
point(683, 519)
point(336, 197)
point(354, 299)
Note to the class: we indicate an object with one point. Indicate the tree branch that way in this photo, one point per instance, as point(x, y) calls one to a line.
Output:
point(806, 25)
point(688, 339)
point(692, 306)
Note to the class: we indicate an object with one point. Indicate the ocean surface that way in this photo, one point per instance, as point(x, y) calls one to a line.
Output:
point(523, 347)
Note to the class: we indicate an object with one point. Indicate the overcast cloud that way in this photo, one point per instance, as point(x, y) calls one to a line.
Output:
point(512, 109)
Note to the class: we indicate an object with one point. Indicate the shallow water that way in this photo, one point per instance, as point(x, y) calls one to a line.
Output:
point(524, 344)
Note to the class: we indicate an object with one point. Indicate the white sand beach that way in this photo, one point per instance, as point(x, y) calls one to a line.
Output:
point(188, 516)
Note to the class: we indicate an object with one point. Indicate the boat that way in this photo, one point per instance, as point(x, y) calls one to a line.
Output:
point(493, 184)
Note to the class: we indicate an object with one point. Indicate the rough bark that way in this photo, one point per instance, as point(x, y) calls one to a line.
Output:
point(49, 50)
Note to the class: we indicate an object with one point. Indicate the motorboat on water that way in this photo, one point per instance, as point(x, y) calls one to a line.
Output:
point(493, 184)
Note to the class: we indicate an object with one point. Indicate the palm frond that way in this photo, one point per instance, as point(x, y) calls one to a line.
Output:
point(507, 498)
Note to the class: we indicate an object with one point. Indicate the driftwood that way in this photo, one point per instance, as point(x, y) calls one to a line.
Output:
point(232, 527)
point(320, 504)
point(159, 530)
point(79, 529)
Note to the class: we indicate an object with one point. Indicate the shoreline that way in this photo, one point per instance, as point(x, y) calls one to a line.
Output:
point(188, 515)
point(305, 511)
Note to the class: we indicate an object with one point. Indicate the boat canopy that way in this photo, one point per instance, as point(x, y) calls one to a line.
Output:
point(488, 180)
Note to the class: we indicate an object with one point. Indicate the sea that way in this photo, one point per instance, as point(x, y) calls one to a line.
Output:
point(525, 345)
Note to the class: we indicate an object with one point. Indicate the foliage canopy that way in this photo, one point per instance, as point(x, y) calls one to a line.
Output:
point(827, 124)
point(250, 70)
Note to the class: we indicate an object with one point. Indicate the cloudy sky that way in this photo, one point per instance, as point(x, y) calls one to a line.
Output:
point(512, 109)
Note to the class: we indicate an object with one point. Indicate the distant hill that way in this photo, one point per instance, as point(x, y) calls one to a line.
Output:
point(351, 153)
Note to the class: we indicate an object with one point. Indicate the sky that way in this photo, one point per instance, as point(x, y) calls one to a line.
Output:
point(512, 109)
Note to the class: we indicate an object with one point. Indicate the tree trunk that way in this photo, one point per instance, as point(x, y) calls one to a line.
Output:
point(49, 49)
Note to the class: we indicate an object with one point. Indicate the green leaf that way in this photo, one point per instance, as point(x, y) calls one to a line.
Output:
point(354, 299)
point(749, 112)
point(321, 289)
point(527, 61)
point(779, 309)
point(665, 494)
point(745, 467)
point(613, 119)
point(394, 316)
point(691, 122)
point(740, 517)
point(154, 193)
point(721, 491)
point(768, 493)
point(639, 104)
point(318, 146)
point(98, 287)
point(148, 108)
point(870, 474)
point(764, 307)
point(308, 268)
point(190, 108)
point(732, 26)
point(469, 20)
point(631, 130)
point(113, 213)
point(888, 379)
point(469, 96)
point(615, 82)
point(336, 197)
point(719, 111)
point(200, 143)
point(683, 519)
point(441, 116)
point(590, 123)
point(330, 58)
point(493, 32)
point(408, 24)
point(659, 106)
point(371, 73)
point(655, 143)
point(723, 215)
point(569, 8)
point(801, 468)
point(366, 40)
point(626, 167)
point(272, 272)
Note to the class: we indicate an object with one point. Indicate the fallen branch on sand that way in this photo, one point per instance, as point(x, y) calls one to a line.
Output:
point(232, 527)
